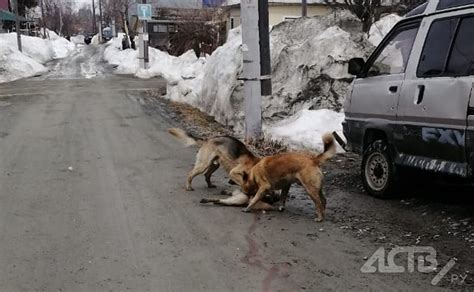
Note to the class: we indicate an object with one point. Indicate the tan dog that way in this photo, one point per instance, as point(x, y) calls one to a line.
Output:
point(279, 172)
point(224, 151)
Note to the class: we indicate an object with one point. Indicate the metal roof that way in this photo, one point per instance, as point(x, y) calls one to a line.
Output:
point(8, 16)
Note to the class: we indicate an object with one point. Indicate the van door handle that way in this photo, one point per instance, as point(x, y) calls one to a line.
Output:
point(420, 94)
point(393, 89)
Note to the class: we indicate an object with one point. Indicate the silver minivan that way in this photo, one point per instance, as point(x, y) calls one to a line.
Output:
point(412, 101)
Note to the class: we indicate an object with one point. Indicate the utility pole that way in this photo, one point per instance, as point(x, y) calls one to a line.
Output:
point(304, 4)
point(94, 21)
point(146, 56)
point(17, 19)
point(100, 21)
point(144, 13)
point(43, 20)
point(257, 66)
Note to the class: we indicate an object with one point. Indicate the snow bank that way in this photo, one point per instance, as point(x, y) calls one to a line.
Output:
point(382, 27)
point(310, 62)
point(305, 129)
point(183, 74)
point(125, 60)
point(309, 71)
point(36, 52)
point(15, 65)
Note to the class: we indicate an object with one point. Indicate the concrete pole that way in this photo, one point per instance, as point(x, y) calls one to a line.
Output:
point(141, 48)
point(146, 53)
point(251, 70)
point(304, 4)
point(17, 20)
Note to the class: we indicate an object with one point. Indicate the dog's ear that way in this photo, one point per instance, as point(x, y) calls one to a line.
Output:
point(245, 176)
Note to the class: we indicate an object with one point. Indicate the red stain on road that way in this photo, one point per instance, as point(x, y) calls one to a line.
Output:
point(254, 259)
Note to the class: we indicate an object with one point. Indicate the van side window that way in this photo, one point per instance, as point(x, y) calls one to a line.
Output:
point(436, 49)
point(393, 58)
point(461, 62)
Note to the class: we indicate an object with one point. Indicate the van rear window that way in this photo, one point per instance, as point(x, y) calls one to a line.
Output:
point(461, 62)
point(436, 49)
point(448, 49)
point(445, 4)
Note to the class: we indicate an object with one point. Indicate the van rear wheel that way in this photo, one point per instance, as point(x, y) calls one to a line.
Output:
point(378, 171)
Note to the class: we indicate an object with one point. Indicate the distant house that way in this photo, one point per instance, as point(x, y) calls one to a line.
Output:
point(165, 19)
point(278, 10)
point(282, 10)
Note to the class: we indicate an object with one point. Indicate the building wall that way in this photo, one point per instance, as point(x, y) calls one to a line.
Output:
point(278, 13)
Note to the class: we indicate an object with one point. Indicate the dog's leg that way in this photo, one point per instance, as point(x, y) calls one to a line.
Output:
point(283, 197)
point(236, 199)
point(231, 182)
point(204, 160)
point(313, 188)
point(323, 199)
point(256, 198)
point(214, 166)
point(195, 172)
point(236, 175)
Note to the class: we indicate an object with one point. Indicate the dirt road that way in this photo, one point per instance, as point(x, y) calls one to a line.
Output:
point(92, 199)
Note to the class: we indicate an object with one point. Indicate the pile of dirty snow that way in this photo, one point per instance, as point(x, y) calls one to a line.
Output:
point(309, 72)
point(305, 129)
point(35, 53)
point(382, 27)
point(15, 65)
point(125, 60)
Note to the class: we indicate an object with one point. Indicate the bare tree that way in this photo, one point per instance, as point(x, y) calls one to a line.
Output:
point(368, 11)
point(60, 18)
point(117, 10)
point(202, 30)
point(85, 19)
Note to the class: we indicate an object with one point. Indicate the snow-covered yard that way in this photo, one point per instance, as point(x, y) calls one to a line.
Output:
point(36, 52)
point(310, 80)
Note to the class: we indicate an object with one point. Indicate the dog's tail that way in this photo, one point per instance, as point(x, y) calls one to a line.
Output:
point(183, 137)
point(329, 149)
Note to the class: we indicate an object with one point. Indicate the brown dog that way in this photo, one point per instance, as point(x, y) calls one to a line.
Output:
point(279, 172)
point(229, 152)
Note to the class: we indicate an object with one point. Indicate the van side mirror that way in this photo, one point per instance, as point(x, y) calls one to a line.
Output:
point(356, 65)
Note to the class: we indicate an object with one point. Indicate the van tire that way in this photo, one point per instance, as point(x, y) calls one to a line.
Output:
point(379, 174)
